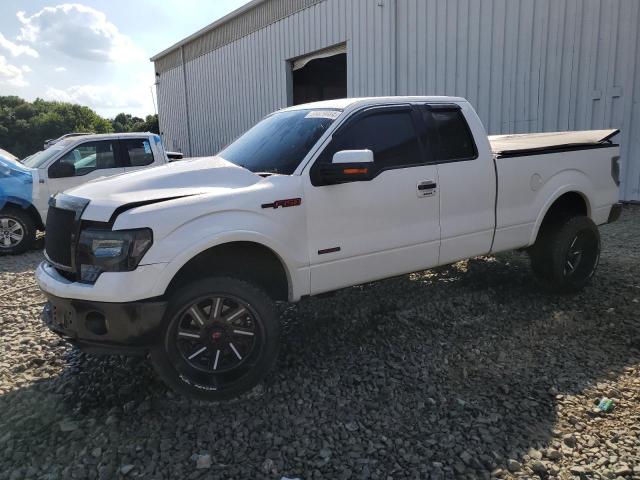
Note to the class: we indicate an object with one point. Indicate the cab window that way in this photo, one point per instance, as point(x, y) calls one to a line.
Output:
point(87, 157)
point(449, 134)
point(390, 135)
point(139, 152)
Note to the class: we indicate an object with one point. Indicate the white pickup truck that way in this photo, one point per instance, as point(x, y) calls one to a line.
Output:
point(67, 162)
point(184, 262)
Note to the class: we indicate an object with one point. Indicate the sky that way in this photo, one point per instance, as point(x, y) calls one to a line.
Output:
point(95, 53)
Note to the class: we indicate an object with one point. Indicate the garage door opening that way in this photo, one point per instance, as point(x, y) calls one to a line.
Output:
point(320, 76)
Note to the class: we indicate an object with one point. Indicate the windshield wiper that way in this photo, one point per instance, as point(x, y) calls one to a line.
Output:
point(266, 174)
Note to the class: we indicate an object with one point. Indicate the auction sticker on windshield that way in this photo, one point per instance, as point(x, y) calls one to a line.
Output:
point(330, 114)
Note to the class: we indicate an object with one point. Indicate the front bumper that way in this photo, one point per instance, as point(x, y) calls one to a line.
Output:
point(144, 282)
point(100, 327)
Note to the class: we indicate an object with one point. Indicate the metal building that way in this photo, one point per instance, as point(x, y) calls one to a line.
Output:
point(526, 65)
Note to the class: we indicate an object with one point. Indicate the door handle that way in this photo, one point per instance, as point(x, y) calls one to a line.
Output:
point(427, 188)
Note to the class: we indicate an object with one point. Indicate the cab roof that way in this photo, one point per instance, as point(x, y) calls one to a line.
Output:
point(344, 103)
point(101, 136)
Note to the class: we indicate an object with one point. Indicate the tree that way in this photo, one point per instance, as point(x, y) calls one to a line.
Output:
point(24, 126)
point(125, 122)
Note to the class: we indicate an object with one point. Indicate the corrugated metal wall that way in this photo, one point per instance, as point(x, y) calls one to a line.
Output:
point(172, 110)
point(530, 65)
point(526, 65)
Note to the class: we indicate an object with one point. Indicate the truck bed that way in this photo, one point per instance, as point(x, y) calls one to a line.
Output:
point(536, 143)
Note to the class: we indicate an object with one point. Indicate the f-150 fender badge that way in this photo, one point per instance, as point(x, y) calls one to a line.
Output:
point(287, 202)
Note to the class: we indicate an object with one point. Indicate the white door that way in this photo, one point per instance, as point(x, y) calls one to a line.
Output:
point(138, 154)
point(467, 180)
point(367, 230)
point(86, 161)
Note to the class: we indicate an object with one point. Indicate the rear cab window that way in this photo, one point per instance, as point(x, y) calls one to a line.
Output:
point(448, 133)
point(137, 152)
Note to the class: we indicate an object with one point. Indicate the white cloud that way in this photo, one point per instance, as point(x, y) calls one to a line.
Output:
point(60, 69)
point(79, 32)
point(98, 96)
point(15, 49)
point(10, 74)
point(26, 69)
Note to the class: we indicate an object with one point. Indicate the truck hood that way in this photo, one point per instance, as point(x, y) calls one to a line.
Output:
point(180, 179)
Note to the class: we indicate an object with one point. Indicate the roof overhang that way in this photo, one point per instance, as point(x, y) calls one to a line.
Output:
point(230, 16)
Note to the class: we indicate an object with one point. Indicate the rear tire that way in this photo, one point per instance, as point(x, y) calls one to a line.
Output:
point(220, 338)
point(566, 254)
point(17, 231)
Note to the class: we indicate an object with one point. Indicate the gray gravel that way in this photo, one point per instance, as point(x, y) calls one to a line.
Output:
point(463, 371)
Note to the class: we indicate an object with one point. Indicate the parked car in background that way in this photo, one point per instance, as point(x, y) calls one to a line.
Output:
point(186, 262)
point(25, 187)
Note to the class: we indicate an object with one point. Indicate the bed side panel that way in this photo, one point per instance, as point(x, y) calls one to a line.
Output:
point(528, 186)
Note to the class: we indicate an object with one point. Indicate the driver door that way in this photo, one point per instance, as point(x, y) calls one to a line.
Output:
point(388, 225)
point(90, 160)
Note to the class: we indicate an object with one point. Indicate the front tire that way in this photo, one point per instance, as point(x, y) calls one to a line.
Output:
point(17, 231)
point(221, 337)
point(566, 254)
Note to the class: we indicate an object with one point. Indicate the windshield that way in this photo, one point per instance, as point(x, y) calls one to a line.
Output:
point(5, 154)
point(279, 142)
point(38, 159)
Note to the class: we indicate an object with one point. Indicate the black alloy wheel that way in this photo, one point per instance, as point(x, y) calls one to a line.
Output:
point(217, 336)
point(217, 343)
point(566, 254)
point(584, 246)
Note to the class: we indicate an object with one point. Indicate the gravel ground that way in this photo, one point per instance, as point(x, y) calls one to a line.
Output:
point(465, 371)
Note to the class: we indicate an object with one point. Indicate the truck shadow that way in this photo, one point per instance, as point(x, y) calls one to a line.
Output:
point(389, 377)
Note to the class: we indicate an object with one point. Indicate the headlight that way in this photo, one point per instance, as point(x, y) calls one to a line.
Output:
point(111, 251)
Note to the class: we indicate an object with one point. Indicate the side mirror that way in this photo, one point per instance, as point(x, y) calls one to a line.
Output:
point(62, 170)
point(353, 156)
point(348, 166)
point(173, 156)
